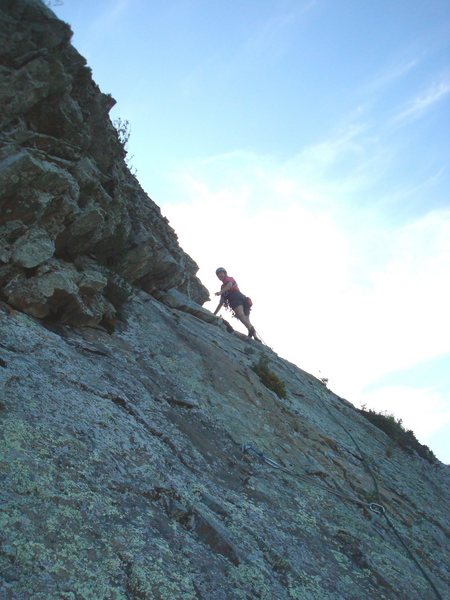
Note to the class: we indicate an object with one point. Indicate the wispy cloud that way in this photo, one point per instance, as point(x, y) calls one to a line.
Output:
point(390, 75)
point(264, 41)
point(424, 101)
point(109, 17)
point(268, 33)
point(270, 38)
point(407, 190)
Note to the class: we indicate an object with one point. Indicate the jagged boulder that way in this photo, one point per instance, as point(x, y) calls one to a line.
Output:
point(65, 191)
point(180, 301)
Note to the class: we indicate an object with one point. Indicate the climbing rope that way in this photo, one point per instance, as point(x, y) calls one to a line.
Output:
point(374, 507)
point(363, 458)
point(377, 493)
point(413, 558)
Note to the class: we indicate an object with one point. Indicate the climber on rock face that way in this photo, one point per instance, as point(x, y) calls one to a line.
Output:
point(233, 298)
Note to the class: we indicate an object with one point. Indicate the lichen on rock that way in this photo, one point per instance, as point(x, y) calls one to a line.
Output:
point(124, 476)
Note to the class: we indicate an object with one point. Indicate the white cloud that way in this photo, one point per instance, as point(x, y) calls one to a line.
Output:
point(271, 38)
point(390, 75)
point(424, 101)
point(107, 20)
point(354, 304)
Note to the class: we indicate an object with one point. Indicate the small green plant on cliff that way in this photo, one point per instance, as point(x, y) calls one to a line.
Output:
point(393, 427)
point(268, 377)
point(123, 128)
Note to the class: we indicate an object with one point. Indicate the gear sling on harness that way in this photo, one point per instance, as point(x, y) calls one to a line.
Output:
point(234, 297)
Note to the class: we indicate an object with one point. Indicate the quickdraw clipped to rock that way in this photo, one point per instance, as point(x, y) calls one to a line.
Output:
point(374, 507)
point(378, 509)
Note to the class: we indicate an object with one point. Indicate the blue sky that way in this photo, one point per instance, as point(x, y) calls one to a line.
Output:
point(304, 145)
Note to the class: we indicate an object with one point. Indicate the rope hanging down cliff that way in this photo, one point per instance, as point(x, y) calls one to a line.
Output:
point(377, 493)
point(374, 507)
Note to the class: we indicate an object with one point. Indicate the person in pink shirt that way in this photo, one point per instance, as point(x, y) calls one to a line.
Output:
point(233, 298)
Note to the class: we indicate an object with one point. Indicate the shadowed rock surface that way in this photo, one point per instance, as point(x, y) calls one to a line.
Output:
point(75, 226)
point(122, 468)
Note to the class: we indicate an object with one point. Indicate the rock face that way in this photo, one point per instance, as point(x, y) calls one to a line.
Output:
point(141, 454)
point(124, 476)
point(75, 226)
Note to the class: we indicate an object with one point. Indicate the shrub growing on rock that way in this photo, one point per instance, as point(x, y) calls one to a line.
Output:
point(268, 377)
point(393, 427)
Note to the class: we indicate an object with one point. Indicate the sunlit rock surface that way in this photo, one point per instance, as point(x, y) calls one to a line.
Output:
point(123, 474)
point(125, 406)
